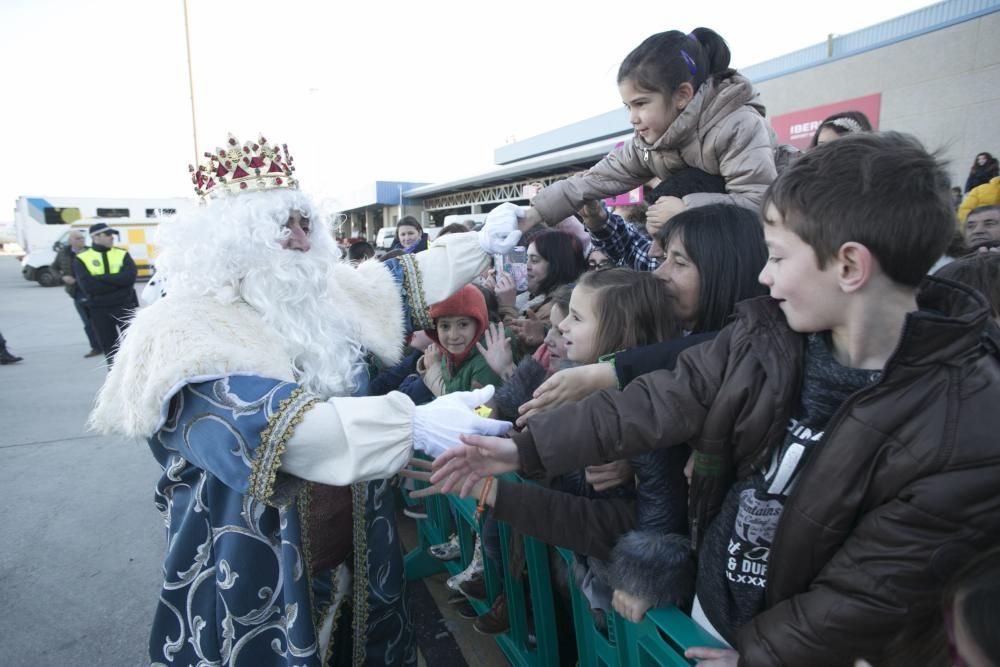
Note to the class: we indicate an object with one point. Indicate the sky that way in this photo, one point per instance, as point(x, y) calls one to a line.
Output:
point(96, 99)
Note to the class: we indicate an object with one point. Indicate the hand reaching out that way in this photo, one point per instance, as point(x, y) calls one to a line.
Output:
point(497, 352)
point(529, 331)
point(505, 288)
point(609, 475)
point(630, 606)
point(660, 212)
point(566, 386)
point(479, 457)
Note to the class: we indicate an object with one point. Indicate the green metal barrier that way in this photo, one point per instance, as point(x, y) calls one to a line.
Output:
point(660, 639)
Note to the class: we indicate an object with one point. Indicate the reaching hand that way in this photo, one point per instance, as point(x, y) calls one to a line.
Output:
point(461, 467)
point(500, 234)
point(630, 606)
point(713, 657)
point(432, 356)
point(609, 475)
point(505, 288)
point(497, 351)
point(567, 386)
point(438, 425)
point(528, 331)
point(420, 470)
point(659, 213)
point(593, 214)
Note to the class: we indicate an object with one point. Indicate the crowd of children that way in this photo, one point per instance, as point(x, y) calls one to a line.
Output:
point(759, 405)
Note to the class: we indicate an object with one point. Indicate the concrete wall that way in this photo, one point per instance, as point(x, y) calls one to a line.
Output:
point(943, 87)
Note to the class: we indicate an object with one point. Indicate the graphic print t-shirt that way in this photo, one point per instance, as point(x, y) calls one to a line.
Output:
point(733, 563)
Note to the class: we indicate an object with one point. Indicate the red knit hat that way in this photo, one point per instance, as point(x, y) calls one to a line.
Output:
point(466, 302)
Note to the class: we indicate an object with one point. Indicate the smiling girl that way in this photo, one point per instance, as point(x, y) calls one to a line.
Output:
point(688, 109)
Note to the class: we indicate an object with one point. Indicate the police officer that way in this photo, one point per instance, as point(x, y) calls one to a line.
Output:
point(106, 275)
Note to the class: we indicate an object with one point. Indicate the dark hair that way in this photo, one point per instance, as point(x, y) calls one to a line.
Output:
point(408, 221)
point(726, 244)
point(980, 271)
point(564, 254)
point(453, 228)
point(843, 122)
point(360, 251)
point(880, 189)
point(632, 308)
point(492, 303)
point(560, 296)
point(686, 181)
point(990, 162)
point(667, 59)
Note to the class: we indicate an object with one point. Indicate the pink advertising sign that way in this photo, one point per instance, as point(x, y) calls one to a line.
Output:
point(797, 128)
point(631, 197)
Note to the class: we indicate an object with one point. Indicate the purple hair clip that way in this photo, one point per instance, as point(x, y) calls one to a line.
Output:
point(690, 63)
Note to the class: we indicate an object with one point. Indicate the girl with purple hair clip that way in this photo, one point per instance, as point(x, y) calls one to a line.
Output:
point(690, 110)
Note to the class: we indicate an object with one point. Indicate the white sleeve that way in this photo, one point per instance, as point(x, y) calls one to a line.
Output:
point(346, 440)
point(453, 261)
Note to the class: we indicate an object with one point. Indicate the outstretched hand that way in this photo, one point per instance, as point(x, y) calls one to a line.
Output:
point(479, 457)
point(713, 657)
point(420, 471)
point(567, 386)
point(438, 425)
point(497, 352)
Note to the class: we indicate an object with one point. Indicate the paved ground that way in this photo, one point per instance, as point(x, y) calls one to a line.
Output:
point(81, 549)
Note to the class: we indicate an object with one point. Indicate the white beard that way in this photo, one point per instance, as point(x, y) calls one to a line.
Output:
point(291, 291)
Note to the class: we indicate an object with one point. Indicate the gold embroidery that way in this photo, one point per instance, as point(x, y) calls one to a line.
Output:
point(335, 583)
point(359, 493)
point(303, 502)
point(280, 428)
point(414, 284)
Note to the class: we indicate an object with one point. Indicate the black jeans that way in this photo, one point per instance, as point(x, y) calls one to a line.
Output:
point(108, 323)
point(84, 312)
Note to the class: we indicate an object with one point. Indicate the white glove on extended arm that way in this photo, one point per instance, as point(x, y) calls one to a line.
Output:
point(437, 425)
point(500, 234)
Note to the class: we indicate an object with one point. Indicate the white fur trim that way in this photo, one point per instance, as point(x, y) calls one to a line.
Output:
point(372, 300)
point(179, 340)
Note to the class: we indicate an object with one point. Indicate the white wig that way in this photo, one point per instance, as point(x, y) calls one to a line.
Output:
point(231, 250)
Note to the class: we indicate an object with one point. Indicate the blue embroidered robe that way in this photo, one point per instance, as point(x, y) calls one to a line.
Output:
point(237, 586)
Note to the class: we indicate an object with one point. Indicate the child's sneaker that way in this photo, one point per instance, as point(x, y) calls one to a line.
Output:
point(449, 550)
point(474, 569)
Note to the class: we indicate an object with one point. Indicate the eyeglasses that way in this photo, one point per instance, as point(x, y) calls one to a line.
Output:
point(599, 265)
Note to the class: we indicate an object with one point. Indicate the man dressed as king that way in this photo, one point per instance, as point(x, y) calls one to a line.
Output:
point(248, 381)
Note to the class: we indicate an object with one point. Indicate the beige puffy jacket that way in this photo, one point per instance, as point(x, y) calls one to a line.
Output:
point(722, 131)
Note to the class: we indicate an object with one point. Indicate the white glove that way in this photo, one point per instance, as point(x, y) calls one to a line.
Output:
point(500, 234)
point(437, 425)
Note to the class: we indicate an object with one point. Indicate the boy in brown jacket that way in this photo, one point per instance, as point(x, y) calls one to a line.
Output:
point(844, 428)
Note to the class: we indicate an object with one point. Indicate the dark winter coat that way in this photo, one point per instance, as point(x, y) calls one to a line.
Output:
point(901, 490)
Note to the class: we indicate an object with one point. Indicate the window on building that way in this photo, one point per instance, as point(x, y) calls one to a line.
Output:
point(160, 212)
point(61, 216)
point(112, 213)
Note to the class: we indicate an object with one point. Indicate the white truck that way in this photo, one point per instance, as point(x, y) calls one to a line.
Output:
point(41, 223)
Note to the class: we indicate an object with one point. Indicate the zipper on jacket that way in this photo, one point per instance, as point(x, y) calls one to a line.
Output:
point(832, 425)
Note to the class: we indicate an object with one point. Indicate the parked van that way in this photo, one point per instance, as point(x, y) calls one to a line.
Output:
point(136, 236)
point(384, 238)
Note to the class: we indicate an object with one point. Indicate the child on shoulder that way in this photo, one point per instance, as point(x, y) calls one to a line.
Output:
point(689, 109)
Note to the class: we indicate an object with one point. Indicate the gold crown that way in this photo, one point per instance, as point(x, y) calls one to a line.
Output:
point(254, 166)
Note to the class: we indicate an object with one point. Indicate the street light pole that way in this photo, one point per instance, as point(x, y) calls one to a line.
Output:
point(194, 126)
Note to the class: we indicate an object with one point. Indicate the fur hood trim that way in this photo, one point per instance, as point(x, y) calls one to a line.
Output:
point(372, 300)
point(185, 339)
point(179, 340)
point(656, 566)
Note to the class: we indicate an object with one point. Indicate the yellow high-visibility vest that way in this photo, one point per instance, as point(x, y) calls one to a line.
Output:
point(94, 261)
